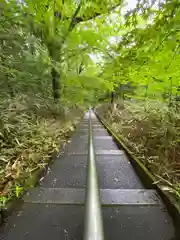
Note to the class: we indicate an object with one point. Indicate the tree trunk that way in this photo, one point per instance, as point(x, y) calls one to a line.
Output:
point(112, 97)
point(55, 84)
point(55, 75)
point(11, 92)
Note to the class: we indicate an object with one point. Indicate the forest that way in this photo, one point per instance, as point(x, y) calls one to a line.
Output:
point(58, 57)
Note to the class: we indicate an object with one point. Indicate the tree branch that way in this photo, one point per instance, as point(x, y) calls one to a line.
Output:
point(74, 17)
point(83, 18)
point(80, 68)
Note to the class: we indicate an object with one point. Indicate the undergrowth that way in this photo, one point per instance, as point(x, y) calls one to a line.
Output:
point(31, 129)
point(152, 132)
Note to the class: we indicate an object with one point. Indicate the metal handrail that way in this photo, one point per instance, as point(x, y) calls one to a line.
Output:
point(93, 215)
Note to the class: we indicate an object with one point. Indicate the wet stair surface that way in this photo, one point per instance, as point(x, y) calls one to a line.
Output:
point(55, 210)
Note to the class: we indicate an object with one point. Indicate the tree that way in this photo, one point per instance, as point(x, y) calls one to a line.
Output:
point(147, 54)
point(53, 21)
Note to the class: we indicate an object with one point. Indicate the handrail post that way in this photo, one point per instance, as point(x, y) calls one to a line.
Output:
point(93, 229)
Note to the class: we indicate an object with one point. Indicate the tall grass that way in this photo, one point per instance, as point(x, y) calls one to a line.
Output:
point(31, 129)
point(152, 131)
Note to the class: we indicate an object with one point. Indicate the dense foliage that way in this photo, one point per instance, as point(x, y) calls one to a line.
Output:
point(147, 54)
point(45, 47)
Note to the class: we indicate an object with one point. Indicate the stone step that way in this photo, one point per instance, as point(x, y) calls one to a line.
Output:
point(108, 196)
point(66, 222)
